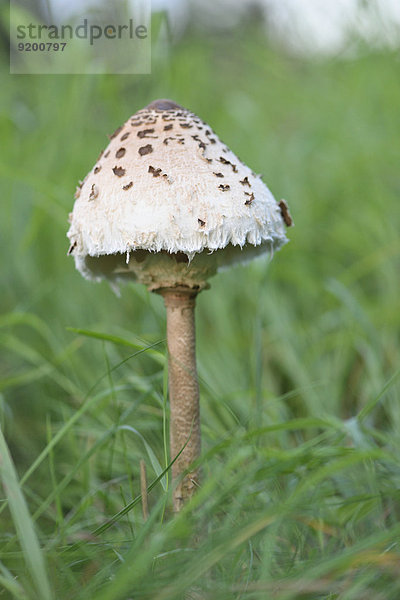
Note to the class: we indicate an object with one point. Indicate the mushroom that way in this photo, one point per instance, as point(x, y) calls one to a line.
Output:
point(167, 205)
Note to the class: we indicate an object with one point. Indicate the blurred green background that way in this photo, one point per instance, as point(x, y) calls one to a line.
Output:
point(298, 358)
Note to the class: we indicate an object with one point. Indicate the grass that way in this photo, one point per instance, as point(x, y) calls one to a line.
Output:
point(298, 359)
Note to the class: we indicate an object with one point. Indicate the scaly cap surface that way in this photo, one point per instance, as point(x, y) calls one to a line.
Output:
point(167, 183)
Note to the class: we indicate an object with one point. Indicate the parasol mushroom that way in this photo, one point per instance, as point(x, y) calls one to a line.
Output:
point(167, 204)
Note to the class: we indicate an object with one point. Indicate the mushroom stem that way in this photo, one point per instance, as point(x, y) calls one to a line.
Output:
point(183, 391)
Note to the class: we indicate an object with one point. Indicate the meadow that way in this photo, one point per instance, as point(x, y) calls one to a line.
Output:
point(298, 356)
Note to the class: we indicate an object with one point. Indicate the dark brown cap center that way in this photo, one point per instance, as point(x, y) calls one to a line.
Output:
point(163, 104)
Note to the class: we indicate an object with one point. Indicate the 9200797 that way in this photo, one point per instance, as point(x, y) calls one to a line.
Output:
point(41, 46)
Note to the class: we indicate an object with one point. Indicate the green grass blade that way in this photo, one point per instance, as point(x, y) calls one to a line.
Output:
point(23, 524)
point(105, 337)
point(366, 410)
point(85, 406)
point(118, 341)
point(153, 458)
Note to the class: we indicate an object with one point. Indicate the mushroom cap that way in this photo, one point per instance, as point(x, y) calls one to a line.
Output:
point(167, 184)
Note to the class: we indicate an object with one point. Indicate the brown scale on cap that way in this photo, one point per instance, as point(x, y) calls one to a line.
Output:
point(178, 139)
point(136, 123)
point(79, 187)
point(125, 136)
point(186, 125)
point(168, 127)
point(144, 133)
point(72, 248)
point(286, 216)
point(155, 172)
point(224, 161)
point(201, 222)
point(97, 169)
point(224, 188)
point(202, 146)
point(116, 132)
point(250, 199)
point(119, 171)
point(150, 120)
point(165, 141)
point(219, 174)
point(107, 154)
point(94, 192)
point(120, 153)
point(143, 150)
point(127, 186)
point(245, 181)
